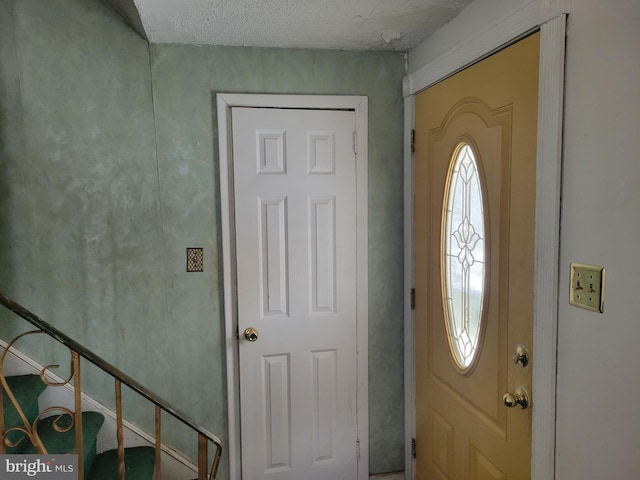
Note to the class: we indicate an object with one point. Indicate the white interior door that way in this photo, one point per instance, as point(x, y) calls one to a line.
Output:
point(294, 177)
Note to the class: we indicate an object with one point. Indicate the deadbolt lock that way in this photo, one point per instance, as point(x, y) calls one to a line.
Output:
point(521, 356)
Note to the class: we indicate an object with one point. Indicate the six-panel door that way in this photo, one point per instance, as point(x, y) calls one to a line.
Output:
point(295, 219)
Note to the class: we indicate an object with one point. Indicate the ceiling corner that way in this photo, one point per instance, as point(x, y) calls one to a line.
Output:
point(128, 11)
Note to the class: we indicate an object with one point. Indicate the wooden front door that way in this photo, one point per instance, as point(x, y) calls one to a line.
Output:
point(474, 240)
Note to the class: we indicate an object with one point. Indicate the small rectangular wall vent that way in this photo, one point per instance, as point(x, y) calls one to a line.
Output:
point(195, 259)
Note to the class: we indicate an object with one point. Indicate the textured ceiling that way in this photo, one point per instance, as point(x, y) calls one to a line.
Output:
point(328, 24)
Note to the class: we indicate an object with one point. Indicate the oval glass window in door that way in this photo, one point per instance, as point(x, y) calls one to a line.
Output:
point(464, 249)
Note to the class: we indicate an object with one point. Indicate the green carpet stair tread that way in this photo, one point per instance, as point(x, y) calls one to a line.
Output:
point(139, 464)
point(26, 389)
point(65, 442)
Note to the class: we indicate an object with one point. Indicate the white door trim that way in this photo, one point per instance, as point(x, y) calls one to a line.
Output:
point(359, 104)
point(548, 16)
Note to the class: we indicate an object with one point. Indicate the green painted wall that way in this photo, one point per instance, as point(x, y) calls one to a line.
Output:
point(108, 171)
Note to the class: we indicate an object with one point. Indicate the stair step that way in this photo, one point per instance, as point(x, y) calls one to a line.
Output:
point(65, 442)
point(139, 464)
point(139, 461)
point(26, 389)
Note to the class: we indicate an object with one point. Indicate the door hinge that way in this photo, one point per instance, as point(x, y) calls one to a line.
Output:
point(358, 450)
point(355, 142)
point(413, 141)
point(413, 448)
point(413, 299)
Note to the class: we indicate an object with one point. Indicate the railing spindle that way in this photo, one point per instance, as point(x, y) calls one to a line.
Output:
point(2, 446)
point(202, 457)
point(28, 430)
point(216, 462)
point(158, 474)
point(119, 430)
point(77, 394)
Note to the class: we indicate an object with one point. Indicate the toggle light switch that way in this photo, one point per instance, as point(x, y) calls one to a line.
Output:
point(587, 287)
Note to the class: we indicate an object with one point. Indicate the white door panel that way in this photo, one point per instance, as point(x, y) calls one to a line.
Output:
point(295, 218)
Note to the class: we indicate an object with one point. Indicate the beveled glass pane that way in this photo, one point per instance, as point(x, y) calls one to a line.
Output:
point(463, 256)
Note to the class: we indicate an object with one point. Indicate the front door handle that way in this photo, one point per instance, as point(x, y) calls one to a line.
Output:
point(518, 398)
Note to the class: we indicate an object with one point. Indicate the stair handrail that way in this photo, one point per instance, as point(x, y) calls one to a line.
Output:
point(120, 376)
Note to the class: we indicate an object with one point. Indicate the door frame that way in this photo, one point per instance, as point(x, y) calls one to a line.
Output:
point(358, 104)
point(549, 17)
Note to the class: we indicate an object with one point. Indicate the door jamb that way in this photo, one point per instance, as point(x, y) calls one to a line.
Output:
point(359, 104)
point(550, 18)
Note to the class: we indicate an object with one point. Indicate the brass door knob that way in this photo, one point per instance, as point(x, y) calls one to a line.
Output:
point(251, 334)
point(519, 398)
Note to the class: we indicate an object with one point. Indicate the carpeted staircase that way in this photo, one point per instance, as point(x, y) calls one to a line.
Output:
point(55, 425)
point(139, 461)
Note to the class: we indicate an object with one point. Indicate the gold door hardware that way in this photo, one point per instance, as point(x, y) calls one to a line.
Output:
point(520, 398)
point(521, 356)
point(251, 334)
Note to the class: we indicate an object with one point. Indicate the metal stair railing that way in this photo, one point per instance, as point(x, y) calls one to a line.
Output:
point(77, 351)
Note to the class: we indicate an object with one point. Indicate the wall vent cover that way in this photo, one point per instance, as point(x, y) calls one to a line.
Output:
point(195, 259)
